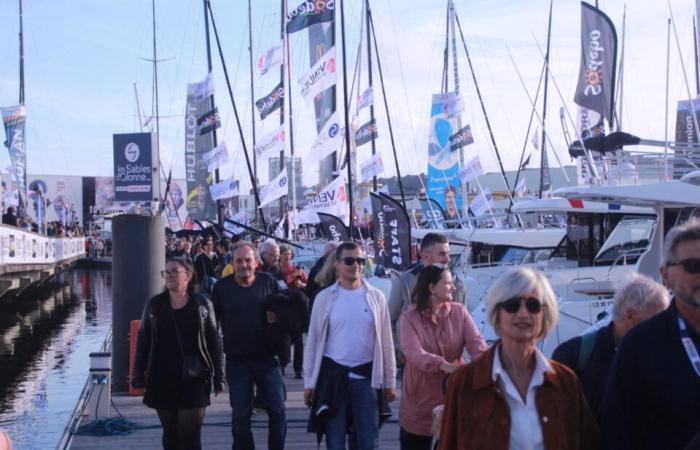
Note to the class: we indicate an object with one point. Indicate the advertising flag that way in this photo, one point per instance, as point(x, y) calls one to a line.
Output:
point(14, 118)
point(320, 77)
point(334, 228)
point(225, 189)
point(133, 167)
point(272, 57)
point(366, 133)
point(274, 189)
point(432, 213)
point(482, 203)
point(310, 12)
point(526, 162)
point(392, 233)
point(271, 102)
point(443, 164)
point(521, 188)
point(201, 90)
point(329, 140)
point(271, 144)
point(331, 200)
point(216, 157)
point(200, 205)
point(471, 170)
point(462, 138)
point(596, 79)
point(686, 134)
point(366, 98)
point(209, 122)
point(372, 167)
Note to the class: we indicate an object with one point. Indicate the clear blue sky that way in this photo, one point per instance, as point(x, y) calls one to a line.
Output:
point(83, 58)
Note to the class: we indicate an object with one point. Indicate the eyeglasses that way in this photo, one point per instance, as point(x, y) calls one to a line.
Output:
point(690, 265)
point(349, 261)
point(170, 273)
point(511, 306)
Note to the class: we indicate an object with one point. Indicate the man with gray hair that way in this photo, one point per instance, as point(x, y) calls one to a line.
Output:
point(652, 399)
point(591, 355)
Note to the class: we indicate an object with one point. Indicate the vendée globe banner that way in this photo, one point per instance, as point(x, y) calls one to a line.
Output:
point(133, 167)
point(443, 164)
point(14, 118)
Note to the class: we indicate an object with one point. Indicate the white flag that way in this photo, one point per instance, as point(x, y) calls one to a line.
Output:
point(240, 217)
point(274, 189)
point(271, 144)
point(482, 203)
point(272, 57)
point(216, 157)
point(329, 140)
point(471, 170)
point(225, 189)
point(365, 99)
point(201, 90)
point(321, 76)
point(536, 139)
point(521, 188)
point(331, 200)
point(371, 167)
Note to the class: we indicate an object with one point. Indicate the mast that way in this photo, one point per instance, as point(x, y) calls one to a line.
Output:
point(347, 118)
point(543, 158)
point(464, 188)
point(283, 107)
point(620, 84)
point(211, 98)
point(288, 97)
point(21, 56)
point(369, 71)
point(252, 94)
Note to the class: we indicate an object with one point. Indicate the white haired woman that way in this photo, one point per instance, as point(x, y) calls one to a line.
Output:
point(513, 386)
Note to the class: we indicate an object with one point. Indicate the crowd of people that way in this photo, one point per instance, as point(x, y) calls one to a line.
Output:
point(230, 311)
point(54, 228)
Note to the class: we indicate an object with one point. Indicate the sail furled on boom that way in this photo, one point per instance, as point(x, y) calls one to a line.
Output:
point(596, 80)
point(14, 118)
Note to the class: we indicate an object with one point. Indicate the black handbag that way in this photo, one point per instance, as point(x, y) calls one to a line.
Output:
point(192, 365)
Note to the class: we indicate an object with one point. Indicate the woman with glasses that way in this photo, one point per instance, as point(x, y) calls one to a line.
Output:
point(434, 333)
point(512, 397)
point(178, 355)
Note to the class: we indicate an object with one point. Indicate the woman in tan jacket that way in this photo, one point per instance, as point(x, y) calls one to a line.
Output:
point(512, 397)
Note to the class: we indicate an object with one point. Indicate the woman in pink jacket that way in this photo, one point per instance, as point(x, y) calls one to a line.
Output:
point(434, 333)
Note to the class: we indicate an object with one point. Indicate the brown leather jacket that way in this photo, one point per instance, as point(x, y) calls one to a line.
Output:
point(476, 413)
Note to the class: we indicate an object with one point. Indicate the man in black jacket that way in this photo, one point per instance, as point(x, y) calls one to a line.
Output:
point(9, 218)
point(591, 355)
point(239, 302)
point(652, 399)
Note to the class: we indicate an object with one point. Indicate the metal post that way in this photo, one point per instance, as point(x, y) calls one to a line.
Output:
point(211, 98)
point(347, 118)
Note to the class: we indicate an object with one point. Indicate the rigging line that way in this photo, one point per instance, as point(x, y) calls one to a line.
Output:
point(235, 109)
point(386, 106)
point(533, 103)
point(543, 154)
point(481, 101)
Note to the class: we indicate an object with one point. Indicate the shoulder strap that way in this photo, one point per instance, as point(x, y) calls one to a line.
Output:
point(584, 354)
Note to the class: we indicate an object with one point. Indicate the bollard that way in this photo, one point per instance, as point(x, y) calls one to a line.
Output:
point(138, 257)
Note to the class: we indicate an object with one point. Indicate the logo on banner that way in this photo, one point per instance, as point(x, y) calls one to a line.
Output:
point(366, 133)
point(321, 76)
point(335, 234)
point(310, 12)
point(594, 72)
point(333, 130)
point(132, 152)
point(461, 138)
point(271, 102)
point(282, 182)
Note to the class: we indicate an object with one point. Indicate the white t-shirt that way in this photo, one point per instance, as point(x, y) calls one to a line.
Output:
point(351, 331)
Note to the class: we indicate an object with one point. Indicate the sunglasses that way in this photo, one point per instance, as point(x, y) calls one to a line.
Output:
point(170, 273)
point(511, 306)
point(349, 261)
point(690, 265)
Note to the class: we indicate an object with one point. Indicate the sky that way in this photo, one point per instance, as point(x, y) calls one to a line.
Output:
point(85, 61)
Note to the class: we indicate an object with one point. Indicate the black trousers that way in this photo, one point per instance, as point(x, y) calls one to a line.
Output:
point(182, 428)
point(410, 441)
point(298, 343)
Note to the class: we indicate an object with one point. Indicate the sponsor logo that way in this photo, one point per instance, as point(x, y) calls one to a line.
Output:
point(311, 8)
point(594, 71)
point(324, 69)
point(282, 182)
point(335, 234)
point(132, 152)
point(333, 130)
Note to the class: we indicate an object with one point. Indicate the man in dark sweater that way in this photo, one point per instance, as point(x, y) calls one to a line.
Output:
point(652, 400)
point(250, 361)
point(591, 355)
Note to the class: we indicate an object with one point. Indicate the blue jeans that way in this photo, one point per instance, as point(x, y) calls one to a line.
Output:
point(267, 376)
point(362, 406)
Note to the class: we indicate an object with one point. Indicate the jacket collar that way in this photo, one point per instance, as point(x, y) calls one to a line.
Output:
point(483, 370)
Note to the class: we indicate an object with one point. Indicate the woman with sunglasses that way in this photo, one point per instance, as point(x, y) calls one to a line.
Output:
point(434, 333)
point(512, 397)
point(178, 354)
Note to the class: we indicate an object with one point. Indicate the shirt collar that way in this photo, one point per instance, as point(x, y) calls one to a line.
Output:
point(542, 366)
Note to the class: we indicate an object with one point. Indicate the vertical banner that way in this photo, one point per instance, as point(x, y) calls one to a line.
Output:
point(686, 134)
point(596, 80)
point(333, 227)
point(134, 167)
point(14, 118)
point(432, 213)
point(443, 164)
point(392, 233)
point(200, 205)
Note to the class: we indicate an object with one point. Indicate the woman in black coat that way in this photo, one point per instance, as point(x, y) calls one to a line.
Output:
point(178, 356)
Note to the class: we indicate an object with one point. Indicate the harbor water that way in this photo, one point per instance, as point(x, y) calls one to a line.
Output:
point(46, 337)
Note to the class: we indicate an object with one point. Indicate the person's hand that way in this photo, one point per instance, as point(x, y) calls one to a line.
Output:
point(308, 397)
point(389, 394)
point(271, 316)
point(448, 367)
